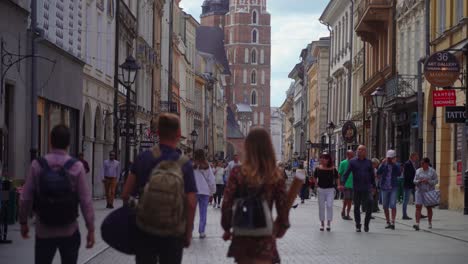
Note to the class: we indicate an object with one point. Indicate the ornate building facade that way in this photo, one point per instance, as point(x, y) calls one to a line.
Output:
point(247, 29)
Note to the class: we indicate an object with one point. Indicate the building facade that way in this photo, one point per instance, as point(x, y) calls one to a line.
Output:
point(277, 132)
point(337, 16)
point(287, 109)
point(449, 30)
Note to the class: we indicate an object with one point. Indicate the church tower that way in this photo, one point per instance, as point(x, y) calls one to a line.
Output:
point(213, 13)
point(248, 46)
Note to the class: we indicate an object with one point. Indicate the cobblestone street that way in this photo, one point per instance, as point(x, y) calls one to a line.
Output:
point(304, 243)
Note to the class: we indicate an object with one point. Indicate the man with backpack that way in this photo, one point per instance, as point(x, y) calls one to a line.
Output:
point(55, 187)
point(164, 181)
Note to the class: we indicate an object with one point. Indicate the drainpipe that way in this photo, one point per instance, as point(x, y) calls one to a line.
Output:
point(34, 120)
point(350, 75)
point(116, 79)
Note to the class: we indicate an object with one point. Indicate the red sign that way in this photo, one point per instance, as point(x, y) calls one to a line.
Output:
point(459, 173)
point(444, 98)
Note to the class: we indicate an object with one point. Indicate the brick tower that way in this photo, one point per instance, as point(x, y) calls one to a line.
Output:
point(247, 29)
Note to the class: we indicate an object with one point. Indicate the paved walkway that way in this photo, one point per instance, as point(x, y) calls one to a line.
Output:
point(303, 243)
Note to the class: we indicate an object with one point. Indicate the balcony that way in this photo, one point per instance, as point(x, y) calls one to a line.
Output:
point(372, 16)
point(169, 107)
point(400, 88)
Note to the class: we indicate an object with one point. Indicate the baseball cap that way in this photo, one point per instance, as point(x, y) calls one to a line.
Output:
point(391, 154)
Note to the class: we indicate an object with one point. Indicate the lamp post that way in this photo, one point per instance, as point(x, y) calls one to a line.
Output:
point(378, 99)
point(330, 129)
point(128, 73)
point(308, 146)
point(194, 136)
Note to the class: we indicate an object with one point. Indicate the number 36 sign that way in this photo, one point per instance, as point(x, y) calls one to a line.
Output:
point(442, 69)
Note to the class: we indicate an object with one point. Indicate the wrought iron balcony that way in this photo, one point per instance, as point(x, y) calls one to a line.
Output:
point(401, 87)
point(169, 107)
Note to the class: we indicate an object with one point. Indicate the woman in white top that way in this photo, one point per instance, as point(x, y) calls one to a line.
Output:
point(206, 186)
point(425, 181)
point(219, 176)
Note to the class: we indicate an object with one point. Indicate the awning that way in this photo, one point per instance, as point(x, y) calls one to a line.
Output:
point(459, 46)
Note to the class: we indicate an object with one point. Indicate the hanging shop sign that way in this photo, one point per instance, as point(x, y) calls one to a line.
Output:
point(455, 115)
point(444, 98)
point(442, 69)
point(349, 132)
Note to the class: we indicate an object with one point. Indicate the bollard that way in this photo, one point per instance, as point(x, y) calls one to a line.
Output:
point(5, 198)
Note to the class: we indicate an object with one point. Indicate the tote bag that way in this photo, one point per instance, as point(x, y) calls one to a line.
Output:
point(431, 198)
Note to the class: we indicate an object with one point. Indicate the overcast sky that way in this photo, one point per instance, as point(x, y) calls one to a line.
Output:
point(294, 25)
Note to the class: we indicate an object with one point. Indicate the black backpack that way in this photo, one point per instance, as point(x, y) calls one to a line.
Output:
point(56, 201)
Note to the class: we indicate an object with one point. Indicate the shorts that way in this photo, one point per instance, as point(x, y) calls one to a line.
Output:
point(389, 198)
point(348, 194)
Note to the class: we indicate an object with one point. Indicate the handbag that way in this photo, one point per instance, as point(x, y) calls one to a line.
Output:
point(119, 230)
point(252, 216)
point(431, 198)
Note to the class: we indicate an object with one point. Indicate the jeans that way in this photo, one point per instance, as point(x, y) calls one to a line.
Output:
point(163, 250)
point(406, 196)
point(389, 198)
point(364, 198)
point(203, 207)
point(325, 196)
point(68, 248)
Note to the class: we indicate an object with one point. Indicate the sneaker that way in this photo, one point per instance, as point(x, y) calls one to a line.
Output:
point(392, 226)
point(328, 228)
point(343, 215)
point(202, 235)
point(302, 201)
point(219, 206)
point(416, 227)
point(358, 228)
point(430, 226)
point(389, 226)
point(407, 218)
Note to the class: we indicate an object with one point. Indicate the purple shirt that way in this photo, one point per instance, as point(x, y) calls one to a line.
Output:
point(57, 158)
point(111, 168)
point(388, 181)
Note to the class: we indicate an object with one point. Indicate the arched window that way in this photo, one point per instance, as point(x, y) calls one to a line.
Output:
point(246, 56)
point(253, 77)
point(253, 98)
point(244, 76)
point(254, 36)
point(254, 17)
point(254, 56)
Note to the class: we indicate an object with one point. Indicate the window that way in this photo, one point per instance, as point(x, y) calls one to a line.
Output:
point(255, 114)
point(459, 10)
point(253, 98)
point(254, 56)
point(262, 118)
point(442, 16)
point(263, 77)
point(253, 77)
point(246, 56)
point(100, 34)
point(262, 56)
point(231, 36)
point(254, 17)
point(245, 76)
point(254, 36)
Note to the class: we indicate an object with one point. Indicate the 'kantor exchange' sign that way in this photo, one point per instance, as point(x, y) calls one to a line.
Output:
point(442, 69)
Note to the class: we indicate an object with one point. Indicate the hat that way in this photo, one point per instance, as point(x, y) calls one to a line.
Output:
point(391, 154)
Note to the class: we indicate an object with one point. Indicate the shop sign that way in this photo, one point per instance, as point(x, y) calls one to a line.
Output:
point(442, 69)
point(455, 114)
point(349, 132)
point(444, 98)
point(459, 173)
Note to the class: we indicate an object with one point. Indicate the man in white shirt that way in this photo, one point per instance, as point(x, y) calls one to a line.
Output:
point(233, 163)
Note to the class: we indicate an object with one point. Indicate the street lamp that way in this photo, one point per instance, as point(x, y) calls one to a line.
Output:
point(194, 136)
point(128, 72)
point(330, 129)
point(308, 146)
point(378, 99)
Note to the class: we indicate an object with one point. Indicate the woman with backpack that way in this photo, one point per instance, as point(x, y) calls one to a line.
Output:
point(206, 186)
point(327, 179)
point(252, 189)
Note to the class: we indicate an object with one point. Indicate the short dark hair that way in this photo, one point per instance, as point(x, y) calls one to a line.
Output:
point(168, 126)
point(60, 137)
point(426, 160)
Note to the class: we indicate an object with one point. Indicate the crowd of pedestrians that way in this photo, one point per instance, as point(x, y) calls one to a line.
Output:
point(164, 188)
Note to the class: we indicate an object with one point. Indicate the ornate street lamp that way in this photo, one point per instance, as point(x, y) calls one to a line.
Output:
point(194, 136)
point(330, 129)
point(378, 100)
point(128, 73)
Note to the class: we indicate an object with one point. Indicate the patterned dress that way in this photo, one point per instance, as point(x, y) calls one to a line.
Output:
point(263, 248)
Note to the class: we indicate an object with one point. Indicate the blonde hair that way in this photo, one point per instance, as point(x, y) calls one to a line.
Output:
point(259, 164)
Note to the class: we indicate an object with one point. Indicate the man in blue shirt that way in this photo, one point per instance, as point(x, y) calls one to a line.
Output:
point(388, 174)
point(150, 248)
point(363, 185)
